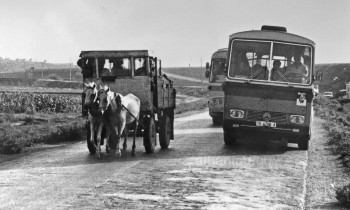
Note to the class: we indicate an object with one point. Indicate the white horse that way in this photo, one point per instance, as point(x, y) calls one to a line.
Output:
point(122, 112)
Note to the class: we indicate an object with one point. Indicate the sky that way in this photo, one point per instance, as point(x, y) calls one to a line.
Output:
point(180, 33)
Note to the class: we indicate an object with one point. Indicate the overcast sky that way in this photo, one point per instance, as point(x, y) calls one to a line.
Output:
point(180, 32)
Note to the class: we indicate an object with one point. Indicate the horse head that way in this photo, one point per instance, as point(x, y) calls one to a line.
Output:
point(108, 99)
point(89, 95)
point(102, 98)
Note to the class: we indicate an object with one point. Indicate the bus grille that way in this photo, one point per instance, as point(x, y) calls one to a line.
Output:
point(277, 117)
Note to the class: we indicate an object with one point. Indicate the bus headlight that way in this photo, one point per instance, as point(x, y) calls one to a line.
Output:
point(297, 119)
point(235, 113)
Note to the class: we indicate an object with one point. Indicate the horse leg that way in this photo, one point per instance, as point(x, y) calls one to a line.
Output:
point(117, 131)
point(92, 132)
point(108, 131)
point(133, 143)
point(125, 139)
point(98, 146)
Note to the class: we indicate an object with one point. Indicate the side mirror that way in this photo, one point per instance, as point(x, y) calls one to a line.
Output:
point(224, 67)
point(207, 73)
point(319, 75)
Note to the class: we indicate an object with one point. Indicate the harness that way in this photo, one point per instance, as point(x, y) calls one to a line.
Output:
point(122, 105)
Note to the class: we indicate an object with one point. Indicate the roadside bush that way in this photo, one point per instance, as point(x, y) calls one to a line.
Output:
point(11, 141)
point(53, 77)
point(13, 138)
point(343, 195)
point(337, 125)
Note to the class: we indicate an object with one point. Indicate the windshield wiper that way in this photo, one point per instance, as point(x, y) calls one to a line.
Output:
point(283, 78)
point(255, 74)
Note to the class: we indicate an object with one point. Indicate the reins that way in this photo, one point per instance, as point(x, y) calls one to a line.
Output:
point(138, 120)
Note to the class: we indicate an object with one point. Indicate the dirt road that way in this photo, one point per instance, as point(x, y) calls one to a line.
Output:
point(197, 171)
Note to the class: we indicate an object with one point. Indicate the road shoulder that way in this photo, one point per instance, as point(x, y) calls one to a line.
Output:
point(323, 170)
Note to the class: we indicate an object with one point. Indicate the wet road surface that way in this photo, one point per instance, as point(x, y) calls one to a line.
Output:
point(197, 171)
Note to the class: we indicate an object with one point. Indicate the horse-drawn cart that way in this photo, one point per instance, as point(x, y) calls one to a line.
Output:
point(134, 71)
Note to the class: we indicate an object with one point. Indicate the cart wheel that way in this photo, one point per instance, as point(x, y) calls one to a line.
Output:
point(229, 138)
point(91, 147)
point(165, 132)
point(150, 135)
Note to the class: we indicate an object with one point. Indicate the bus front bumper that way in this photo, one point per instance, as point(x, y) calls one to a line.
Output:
point(293, 133)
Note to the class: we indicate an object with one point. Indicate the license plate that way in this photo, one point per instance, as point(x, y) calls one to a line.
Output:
point(268, 124)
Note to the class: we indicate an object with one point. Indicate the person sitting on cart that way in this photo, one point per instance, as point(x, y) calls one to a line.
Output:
point(119, 70)
point(86, 67)
point(101, 68)
point(142, 71)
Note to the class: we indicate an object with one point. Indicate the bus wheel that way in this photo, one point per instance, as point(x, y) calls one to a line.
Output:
point(303, 144)
point(217, 120)
point(229, 138)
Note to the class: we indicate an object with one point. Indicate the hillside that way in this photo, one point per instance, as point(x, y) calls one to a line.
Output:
point(18, 67)
point(330, 71)
point(197, 73)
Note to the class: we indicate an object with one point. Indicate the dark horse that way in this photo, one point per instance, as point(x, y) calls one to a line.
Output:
point(96, 118)
point(120, 111)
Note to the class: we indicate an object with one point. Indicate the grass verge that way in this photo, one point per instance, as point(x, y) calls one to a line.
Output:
point(338, 127)
point(22, 130)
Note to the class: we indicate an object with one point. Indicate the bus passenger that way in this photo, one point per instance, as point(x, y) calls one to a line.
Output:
point(297, 69)
point(243, 68)
point(276, 71)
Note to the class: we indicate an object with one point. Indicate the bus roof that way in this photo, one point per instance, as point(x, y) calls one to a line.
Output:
point(220, 53)
point(114, 54)
point(271, 35)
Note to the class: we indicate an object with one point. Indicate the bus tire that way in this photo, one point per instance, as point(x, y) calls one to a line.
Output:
point(229, 138)
point(303, 144)
point(217, 120)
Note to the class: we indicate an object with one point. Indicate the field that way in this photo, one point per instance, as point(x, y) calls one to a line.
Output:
point(329, 82)
point(193, 72)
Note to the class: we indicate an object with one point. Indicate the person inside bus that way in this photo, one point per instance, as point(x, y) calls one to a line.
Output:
point(243, 67)
point(297, 71)
point(218, 71)
point(259, 72)
point(276, 71)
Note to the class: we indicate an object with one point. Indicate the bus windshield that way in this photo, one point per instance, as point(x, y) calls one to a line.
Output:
point(217, 70)
point(270, 61)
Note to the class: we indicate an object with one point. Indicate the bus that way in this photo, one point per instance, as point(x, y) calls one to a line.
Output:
point(216, 74)
point(269, 86)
